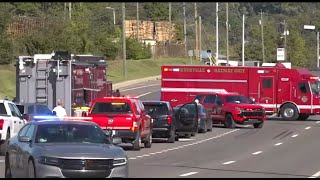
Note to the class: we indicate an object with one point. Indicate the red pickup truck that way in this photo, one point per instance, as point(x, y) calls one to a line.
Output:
point(231, 109)
point(125, 118)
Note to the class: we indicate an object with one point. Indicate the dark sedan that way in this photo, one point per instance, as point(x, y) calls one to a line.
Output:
point(67, 148)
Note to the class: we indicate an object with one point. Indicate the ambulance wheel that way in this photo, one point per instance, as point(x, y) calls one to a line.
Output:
point(229, 122)
point(289, 112)
point(303, 117)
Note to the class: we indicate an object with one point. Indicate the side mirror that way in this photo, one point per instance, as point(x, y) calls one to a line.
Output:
point(24, 139)
point(116, 140)
point(253, 100)
point(25, 116)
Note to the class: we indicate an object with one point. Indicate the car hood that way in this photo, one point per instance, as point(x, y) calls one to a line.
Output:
point(250, 106)
point(77, 150)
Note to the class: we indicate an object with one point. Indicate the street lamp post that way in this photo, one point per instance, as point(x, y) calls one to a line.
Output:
point(114, 14)
point(311, 27)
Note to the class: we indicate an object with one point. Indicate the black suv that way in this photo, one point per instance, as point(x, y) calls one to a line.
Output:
point(170, 123)
point(163, 119)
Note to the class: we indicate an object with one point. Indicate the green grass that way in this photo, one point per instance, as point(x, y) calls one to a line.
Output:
point(136, 69)
point(7, 81)
point(141, 68)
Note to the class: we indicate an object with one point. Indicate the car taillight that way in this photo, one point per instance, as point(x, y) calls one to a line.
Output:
point(134, 126)
point(27, 119)
point(169, 120)
point(1, 123)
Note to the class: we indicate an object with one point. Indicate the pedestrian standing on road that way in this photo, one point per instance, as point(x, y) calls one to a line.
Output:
point(59, 109)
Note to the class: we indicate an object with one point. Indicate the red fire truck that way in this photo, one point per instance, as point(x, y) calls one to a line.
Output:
point(291, 93)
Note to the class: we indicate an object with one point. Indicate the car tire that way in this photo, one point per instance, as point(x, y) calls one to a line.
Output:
point(31, 169)
point(229, 122)
point(148, 141)
point(258, 125)
point(172, 136)
point(188, 135)
point(137, 142)
point(289, 112)
point(7, 170)
point(176, 138)
point(210, 126)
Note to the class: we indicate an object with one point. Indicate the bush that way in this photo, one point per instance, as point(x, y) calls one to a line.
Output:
point(136, 50)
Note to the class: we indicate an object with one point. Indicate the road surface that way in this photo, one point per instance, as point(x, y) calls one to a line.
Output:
point(282, 149)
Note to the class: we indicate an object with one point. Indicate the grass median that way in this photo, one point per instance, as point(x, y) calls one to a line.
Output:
point(136, 69)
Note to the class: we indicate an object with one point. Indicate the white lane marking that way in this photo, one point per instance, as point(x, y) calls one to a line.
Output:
point(146, 155)
point(139, 87)
point(294, 135)
point(132, 158)
point(246, 125)
point(278, 144)
point(307, 127)
point(315, 175)
point(318, 122)
point(258, 152)
point(188, 174)
point(182, 146)
point(147, 93)
point(185, 139)
point(229, 162)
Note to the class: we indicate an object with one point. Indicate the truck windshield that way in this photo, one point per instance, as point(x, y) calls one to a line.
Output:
point(315, 87)
point(238, 99)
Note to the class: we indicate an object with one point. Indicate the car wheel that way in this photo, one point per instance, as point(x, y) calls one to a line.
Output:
point(4, 145)
point(289, 112)
point(176, 138)
point(7, 171)
point(258, 125)
point(137, 142)
point(31, 169)
point(148, 141)
point(229, 122)
point(172, 136)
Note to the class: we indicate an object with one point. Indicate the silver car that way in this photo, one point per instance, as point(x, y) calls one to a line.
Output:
point(64, 148)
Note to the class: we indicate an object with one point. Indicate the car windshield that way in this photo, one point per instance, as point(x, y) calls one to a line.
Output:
point(315, 87)
point(155, 110)
point(238, 99)
point(70, 133)
point(111, 107)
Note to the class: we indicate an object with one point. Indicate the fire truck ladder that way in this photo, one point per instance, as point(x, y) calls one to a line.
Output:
point(41, 81)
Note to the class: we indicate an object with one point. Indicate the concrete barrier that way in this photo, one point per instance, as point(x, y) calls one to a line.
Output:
point(135, 81)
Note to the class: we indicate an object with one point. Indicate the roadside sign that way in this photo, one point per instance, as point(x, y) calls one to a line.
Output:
point(280, 54)
point(190, 53)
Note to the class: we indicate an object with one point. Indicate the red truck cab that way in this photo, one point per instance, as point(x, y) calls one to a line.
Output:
point(231, 109)
point(125, 118)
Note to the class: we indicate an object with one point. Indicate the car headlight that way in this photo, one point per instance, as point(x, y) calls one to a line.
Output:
point(49, 160)
point(119, 161)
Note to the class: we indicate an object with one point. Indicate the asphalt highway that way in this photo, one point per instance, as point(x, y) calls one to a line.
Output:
point(281, 149)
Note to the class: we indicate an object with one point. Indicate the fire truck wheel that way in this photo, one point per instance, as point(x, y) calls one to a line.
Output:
point(289, 112)
point(303, 117)
point(137, 142)
point(258, 125)
point(229, 122)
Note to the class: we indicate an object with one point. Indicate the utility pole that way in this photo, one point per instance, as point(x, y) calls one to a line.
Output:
point(317, 49)
point(170, 23)
point(64, 11)
point(262, 42)
point(243, 40)
point(185, 29)
point(217, 32)
point(196, 28)
point(124, 40)
point(70, 7)
point(138, 24)
point(200, 24)
point(227, 28)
